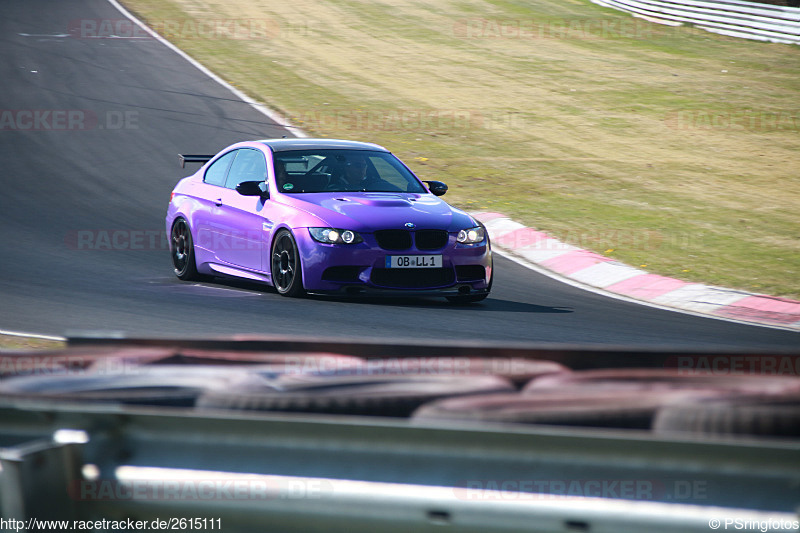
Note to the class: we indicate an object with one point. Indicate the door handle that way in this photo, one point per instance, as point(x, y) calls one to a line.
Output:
point(218, 202)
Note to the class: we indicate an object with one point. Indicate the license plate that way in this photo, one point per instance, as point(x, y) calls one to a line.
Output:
point(413, 261)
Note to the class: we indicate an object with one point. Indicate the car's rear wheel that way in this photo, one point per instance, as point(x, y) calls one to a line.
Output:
point(182, 251)
point(287, 276)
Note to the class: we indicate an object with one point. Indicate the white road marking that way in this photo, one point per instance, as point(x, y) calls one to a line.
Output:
point(57, 35)
point(261, 108)
point(32, 335)
point(238, 291)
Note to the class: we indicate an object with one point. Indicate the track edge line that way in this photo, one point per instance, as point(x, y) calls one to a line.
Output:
point(258, 106)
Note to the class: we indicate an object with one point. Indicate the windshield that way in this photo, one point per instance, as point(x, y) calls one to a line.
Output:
point(301, 171)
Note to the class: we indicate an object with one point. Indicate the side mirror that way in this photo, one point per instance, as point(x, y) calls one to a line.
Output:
point(437, 187)
point(252, 188)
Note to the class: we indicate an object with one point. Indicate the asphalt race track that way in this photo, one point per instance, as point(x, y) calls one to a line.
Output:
point(89, 136)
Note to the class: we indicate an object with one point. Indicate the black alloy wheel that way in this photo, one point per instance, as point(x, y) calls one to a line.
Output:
point(287, 276)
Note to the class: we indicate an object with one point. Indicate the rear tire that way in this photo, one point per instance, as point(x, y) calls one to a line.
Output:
point(182, 252)
point(367, 395)
point(286, 271)
point(775, 415)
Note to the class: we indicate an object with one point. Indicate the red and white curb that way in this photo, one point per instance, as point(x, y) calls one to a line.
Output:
point(590, 269)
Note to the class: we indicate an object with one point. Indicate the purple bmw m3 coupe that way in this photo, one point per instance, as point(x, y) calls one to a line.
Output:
point(324, 217)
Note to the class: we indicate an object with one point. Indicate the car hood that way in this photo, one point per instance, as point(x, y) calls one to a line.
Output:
point(367, 212)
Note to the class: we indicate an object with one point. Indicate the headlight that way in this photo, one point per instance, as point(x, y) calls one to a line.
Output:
point(335, 236)
point(471, 235)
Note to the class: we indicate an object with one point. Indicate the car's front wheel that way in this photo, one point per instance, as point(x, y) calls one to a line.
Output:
point(182, 251)
point(287, 276)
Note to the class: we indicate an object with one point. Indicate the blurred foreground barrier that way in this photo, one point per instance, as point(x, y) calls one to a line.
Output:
point(749, 20)
point(92, 437)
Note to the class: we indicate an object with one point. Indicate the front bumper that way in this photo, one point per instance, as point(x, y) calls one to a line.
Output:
point(359, 269)
point(364, 290)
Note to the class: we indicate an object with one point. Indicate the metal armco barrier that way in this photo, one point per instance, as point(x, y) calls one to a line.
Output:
point(249, 471)
point(734, 18)
point(75, 464)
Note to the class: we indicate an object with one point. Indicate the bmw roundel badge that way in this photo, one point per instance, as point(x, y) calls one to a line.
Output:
point(410, 225)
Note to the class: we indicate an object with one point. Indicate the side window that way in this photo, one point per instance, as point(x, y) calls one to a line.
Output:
point(248, 166)
point(215, 174)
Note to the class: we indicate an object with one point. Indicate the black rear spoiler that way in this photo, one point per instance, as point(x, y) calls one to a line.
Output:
point(193, 158)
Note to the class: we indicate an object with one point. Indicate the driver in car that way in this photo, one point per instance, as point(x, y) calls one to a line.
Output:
point(355, 178)
point(355, 172)
point(281, 176)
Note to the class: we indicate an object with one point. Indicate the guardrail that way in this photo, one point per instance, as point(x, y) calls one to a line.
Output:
point(73, 465)
point(181, 469)
point(734, 18)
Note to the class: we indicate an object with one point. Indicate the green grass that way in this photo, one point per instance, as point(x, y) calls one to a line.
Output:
point(667, 147)
point(15, 343)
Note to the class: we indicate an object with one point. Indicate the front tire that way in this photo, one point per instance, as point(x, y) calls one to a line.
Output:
point(182, 252)
point(287, 274)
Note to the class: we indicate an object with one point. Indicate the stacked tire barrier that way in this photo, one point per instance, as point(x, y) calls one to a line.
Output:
point(735, 18)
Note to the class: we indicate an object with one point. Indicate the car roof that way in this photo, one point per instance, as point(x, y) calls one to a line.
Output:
point(280, 145)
